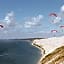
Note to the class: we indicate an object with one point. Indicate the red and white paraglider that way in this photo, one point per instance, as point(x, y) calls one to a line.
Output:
point(62, 27)
point(53, 16)
point(54, 32)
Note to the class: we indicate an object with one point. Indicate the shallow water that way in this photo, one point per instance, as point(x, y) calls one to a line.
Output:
point(18, 52)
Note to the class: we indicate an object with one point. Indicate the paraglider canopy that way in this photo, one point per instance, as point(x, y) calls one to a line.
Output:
point(54, 18)
point(1, 26)
point(54, 32)
point(62, 27)
point(53, 14)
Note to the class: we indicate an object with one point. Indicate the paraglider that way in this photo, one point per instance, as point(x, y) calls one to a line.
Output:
point(1, 26)
point(54, 32)
point(54, 18)
point(62, 27)
point(53, 14)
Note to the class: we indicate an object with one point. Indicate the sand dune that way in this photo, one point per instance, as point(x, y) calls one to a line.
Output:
point(49, 46)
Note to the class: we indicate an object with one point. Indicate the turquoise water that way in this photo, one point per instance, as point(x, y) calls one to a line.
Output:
point(18, 52)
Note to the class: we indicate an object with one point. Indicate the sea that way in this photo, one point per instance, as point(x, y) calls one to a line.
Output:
point(18, 52)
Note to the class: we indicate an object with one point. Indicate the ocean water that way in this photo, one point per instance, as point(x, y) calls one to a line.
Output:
point(18, 52)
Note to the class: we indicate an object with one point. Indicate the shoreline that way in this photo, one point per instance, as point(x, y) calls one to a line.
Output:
point(42, 52)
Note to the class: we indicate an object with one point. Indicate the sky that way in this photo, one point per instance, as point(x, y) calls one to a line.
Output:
point(31, 18)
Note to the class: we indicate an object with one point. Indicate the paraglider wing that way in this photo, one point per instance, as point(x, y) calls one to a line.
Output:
point(54, 31)
point(54, 18)
point(1, 26)
point(53, 14)
point(62, 27)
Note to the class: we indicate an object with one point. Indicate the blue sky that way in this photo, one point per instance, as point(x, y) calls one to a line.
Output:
point(32, 15)
point(24, 8)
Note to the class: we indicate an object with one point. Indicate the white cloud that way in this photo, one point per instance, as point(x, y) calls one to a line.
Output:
point(34, 21)
point(41, 32)
point(62, 8)
point(15, 29)
point(62, 11)
point(9, 19)
point(57, 19)
point(12, 29)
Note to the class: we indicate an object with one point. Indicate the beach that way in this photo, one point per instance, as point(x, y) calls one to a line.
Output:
point(47, 46)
